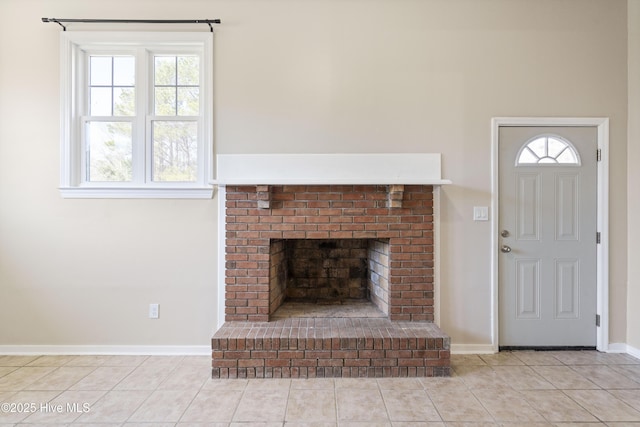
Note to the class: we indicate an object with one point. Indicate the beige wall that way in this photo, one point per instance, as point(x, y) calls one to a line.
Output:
point(294, 76)
point(633, 160)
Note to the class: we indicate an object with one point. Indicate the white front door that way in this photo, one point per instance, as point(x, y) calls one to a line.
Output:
point(547, 223)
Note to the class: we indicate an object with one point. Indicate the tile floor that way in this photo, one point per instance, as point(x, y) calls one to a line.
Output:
point(507, 389)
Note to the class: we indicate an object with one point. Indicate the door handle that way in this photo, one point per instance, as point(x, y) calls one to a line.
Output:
point(505, 249)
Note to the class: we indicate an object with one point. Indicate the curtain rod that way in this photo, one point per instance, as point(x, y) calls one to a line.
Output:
point(59, 21)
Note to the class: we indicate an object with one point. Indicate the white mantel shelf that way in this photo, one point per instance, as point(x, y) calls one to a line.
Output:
point(333, 169)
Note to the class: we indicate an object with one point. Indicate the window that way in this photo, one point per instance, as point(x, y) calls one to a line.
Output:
point(136, 115)
point(548, 150)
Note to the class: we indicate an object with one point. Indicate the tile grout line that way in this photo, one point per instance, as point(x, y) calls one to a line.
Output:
point(426, 391)
point(150, 394)
point(384, 402)
point(235, 411)
point(335, 398)
point(192, 399)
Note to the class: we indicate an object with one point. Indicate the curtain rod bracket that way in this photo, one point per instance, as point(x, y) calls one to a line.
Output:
point(210, 26)
point(56, 21)
point(136, 21)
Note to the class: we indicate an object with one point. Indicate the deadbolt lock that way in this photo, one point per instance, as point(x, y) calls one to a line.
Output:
point(505, 233)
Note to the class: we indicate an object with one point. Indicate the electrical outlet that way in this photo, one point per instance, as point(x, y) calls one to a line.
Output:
point(154, 311)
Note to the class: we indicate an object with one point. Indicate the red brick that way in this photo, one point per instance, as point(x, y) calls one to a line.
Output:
point(294, 235)
point(344, 354)
point(341, 234)
point(277, 362)
point(411, 362)
point(437, 362)
point(357, 362)
point(294, 219)
point(343, 204)
point(365, 234)
point(351, 227)
point(330, 362)
point(317, 354)
point(426, 354)
point(318, 235)
point(250, 363)
point(342, 219)
point(330, 227)
point(372, 354)
point(317, 219)
point(422, 317)
point(264, 354)
point(304, 362)
point(376, 227)
point(290, 354)
point(384, 362)
point(224, 363)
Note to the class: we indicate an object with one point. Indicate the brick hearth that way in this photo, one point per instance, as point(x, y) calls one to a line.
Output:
point(394, 222)
point(317, 348)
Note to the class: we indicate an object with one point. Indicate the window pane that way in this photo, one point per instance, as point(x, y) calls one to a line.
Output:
point(165, 70)
point(188, 101)
point(109, 151)
point(527, 157)
point(568, 157)
point(124, 101)
point(165, 101)
point(111, 88)
point(539, 147)
point(100, 101)
point(555, 147)
point(124, 71)
point(547, 160)
point(175, 151)
point(100, 70)
point(188, 70)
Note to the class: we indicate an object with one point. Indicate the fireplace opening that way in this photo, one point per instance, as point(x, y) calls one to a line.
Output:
point(329, 278)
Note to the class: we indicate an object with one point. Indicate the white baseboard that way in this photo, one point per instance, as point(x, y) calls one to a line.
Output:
point(624, 348)
point(472, 349)
point(618, 347)
point(150, 350)
point(195, 350)
point(632, 351)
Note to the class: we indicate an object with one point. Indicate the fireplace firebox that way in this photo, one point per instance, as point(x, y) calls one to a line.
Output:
point(325, 271)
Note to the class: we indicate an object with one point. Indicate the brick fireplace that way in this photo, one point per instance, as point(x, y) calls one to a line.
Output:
point(322, 246)
point(330, 214)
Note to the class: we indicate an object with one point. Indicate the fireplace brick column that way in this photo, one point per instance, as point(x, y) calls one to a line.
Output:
point(329, 212)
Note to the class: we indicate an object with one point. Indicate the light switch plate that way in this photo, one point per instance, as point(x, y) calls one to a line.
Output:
point(481, 213)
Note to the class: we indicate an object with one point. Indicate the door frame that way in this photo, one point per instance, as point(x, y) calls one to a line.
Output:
point(602, 212)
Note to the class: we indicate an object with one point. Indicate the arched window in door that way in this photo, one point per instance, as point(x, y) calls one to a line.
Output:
point(548, 149)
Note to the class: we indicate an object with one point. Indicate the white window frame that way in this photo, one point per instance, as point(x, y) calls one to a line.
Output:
point(569, 146)
point(73, 46)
